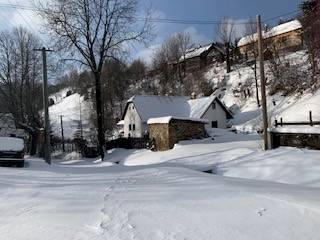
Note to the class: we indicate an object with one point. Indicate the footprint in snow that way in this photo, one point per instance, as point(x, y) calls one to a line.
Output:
point(261, 211)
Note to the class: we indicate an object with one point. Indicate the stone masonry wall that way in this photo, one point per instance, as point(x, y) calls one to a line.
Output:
point(300, 140)
point(166, 135)
point(159, 132)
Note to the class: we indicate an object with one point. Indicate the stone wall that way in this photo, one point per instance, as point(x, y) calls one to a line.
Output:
point(165, 135)
point(300, 140)
point(159, 133)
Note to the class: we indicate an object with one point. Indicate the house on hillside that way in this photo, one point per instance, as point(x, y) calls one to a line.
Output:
point(200, 57)
point(139, 109)
point(284, 37)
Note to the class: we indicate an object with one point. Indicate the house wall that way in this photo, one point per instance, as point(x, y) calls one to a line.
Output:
point(132, 117)
point(287, 41)
point(217, 114)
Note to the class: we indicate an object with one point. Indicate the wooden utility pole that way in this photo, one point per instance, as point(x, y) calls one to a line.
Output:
point(263, 84)
point(81, 127)
point(47, 150)
point(62, 134)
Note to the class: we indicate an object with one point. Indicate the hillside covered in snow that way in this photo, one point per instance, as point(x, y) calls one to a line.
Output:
point(236, 89)
point(74, 110)
point(294, 106)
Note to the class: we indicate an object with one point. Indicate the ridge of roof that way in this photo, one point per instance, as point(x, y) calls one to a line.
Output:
point(154, 96)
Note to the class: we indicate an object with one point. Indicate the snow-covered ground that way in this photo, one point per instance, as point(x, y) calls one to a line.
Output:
point(163, 195)
point(90, 201)
point(232, 155)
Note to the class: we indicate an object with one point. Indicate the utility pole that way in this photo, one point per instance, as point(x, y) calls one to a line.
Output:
point(62, 134)
point(81, 127)
point(263, 84)
point(47, 150)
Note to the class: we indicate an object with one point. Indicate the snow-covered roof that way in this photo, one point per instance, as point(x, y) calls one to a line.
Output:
point(199, 106)
point(11, 144)
point(120, 123)
point(195, 52)
point(278, 30)
point(150, 106)
point(169, 118)
point(296, 129)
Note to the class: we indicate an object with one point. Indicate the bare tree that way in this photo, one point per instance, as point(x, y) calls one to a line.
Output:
point(137, 70)
point(226, 33)
point(168, 57)
point(252, 52)
point(311, 23)
point(20, 88)
point(93, 31)
point(184, 43)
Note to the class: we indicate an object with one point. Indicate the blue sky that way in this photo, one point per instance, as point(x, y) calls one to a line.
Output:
point(239, 10)
point(207, 10)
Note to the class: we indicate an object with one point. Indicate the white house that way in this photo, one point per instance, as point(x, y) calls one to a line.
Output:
point(139, 109)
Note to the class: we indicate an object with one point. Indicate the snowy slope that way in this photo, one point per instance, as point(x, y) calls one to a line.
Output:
point(69, 108)
point(247, 116)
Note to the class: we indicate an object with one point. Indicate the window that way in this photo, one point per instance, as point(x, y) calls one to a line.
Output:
point(133, 127)
point(214, 124)
point(129, 127)
point(213, 106)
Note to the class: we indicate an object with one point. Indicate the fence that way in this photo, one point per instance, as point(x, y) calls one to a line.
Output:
point(309, 139)
point(67, 147)
point(128, 143)
point(306, 123)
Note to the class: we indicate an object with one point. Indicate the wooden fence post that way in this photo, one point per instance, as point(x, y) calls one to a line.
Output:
point(276, 123)
point(310, 117)
point(281, 122)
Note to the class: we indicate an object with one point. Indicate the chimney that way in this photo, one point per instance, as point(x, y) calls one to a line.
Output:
point(193, 95)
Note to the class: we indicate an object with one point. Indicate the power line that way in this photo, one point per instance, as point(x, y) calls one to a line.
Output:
point(280, 16)
point(18, 11)
point(5, 21)
point(159, 20)
point(17, 7)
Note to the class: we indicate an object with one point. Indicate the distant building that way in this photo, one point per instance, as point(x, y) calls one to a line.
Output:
point(284, 37)
point(202, 56)
point(140, 109)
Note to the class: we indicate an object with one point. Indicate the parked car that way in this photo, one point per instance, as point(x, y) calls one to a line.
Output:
point(12, 151)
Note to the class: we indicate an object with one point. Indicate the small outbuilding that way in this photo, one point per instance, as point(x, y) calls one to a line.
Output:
point(164, 132)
